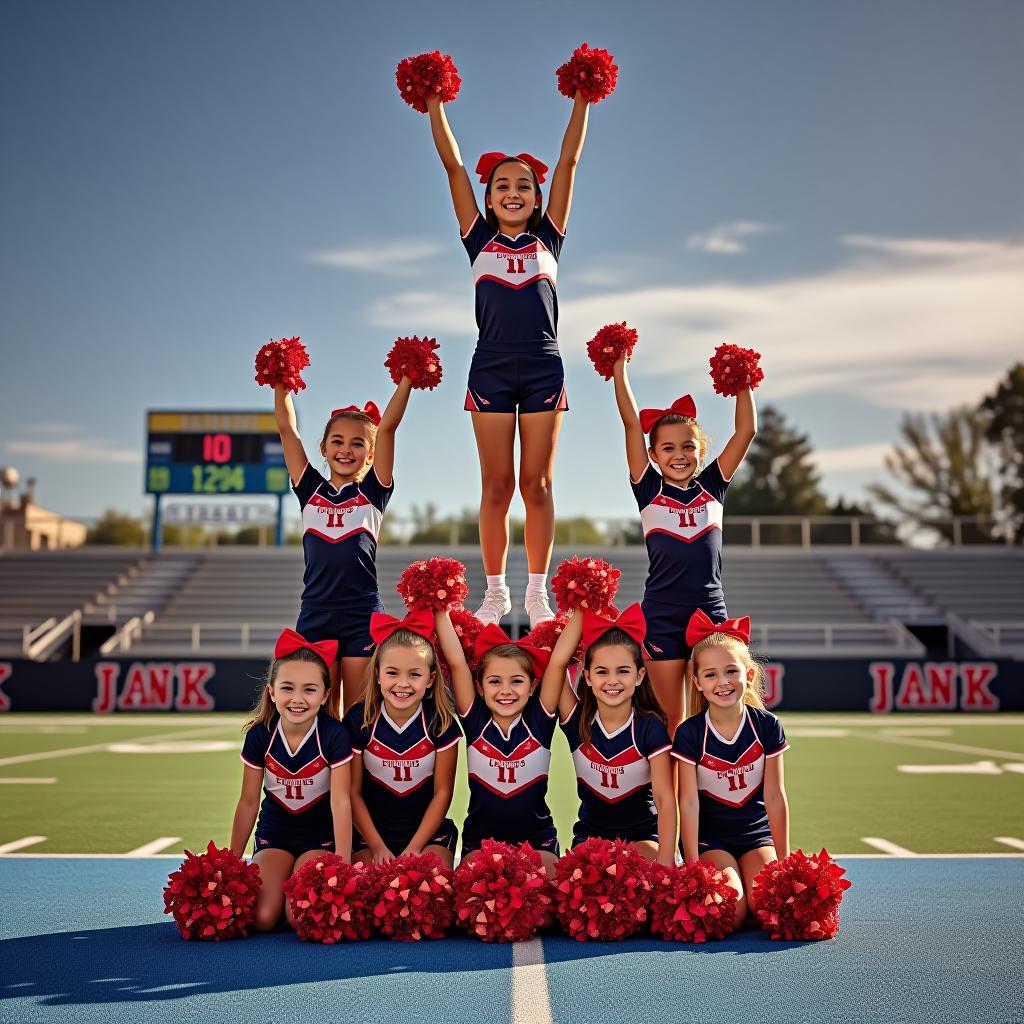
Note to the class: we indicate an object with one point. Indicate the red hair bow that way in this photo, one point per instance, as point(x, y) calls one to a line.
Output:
point(420, 621)
point(486, 164)
point(492, 636)
point(370, 409)
point(631, 622)
point(681, 407)
point(700, 626)
point(289, 642)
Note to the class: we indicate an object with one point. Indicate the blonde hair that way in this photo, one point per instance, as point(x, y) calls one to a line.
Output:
point(264, 712)
point(703, 438)
point(753, 690)
point(444, 713)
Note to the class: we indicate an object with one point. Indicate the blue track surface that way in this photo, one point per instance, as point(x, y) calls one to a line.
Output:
point(923, 941)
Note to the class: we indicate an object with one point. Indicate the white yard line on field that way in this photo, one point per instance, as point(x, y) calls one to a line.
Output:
point(148, 849)
point(26, 782)
point(959, 748)
point(531, 1003)
point(886, 847)
point(1016, 844)
point(20, 844)
point(13, 720)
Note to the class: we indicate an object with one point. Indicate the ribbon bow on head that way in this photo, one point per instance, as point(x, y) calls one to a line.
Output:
point(700, 626)
point(680, 407)
point(370, 409)
point(419, 621)
point(631, 622)
point(492, 636)
point(289, 642)
point(486, 164)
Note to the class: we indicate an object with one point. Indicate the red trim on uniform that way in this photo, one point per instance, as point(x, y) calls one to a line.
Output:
point(448, 746)
point(551, 221)
point(522, 284)
point(563, 401)
point(295, 483)
point(338, 540)
point(731, 803)
point(470, 405)
point(260, 767)
point(685, 540)
point(659, 751)
point(680, 757)
point(775, 753)
point(307, 771)
point(307, 803)
point(505, 793)
point(338, 764)
point(550, 714)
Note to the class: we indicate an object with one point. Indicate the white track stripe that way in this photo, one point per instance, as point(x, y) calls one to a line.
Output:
point(19, 844)
point(907, 741)
point(26, 782)
point(148, 849)
point(530, 1001)
point(886, 847)
point(1017, 844)
point(92, 748)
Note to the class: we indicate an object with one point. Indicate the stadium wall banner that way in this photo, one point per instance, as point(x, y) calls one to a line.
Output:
point(882, 686)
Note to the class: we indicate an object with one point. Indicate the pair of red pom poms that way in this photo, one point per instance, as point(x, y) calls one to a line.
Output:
point(212, 896)
point(415, 358)
point(691, 902)
point(427, 76)
point(591, 72)
point(279, 364)
point(503, 893)
point(609, 345)
point(734, 369)
point(437, 584)
point(585, 583)
point(332, 901)
point(798, 898)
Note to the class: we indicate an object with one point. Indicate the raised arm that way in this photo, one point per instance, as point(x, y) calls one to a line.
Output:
point(560, 198)
point(451, 648)
point(736, 449)
point(458, 180)
point(636, 446)
point(294, 453)
point(384, 446)
point(554, 687)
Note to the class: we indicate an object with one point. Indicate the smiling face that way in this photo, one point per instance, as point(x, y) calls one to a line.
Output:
point(505, 685)
point(298, 692)
point(513, 196)
point(613, 675)
point(721, 676)
point(404, 675)
point(348, 448)
point(677, 450)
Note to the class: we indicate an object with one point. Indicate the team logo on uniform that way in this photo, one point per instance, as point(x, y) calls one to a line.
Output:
point(400, 772)
point(611, 778)
point(334, 521)
point(515, 268)
point(508, 774)
point(685, 521)
point(732, 782)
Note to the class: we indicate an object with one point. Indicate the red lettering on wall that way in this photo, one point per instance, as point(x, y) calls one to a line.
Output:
point(773, 675)
point(192, 679)
point(148, 687)
point(5, 673)
point(974, 693)
point(882, 673)
point(107, 673)
point(912, 696)
point(942, 684)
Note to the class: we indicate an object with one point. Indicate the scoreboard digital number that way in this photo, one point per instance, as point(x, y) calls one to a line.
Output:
point(207, 453)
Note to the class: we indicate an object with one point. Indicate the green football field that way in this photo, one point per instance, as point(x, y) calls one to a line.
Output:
point(149, 784)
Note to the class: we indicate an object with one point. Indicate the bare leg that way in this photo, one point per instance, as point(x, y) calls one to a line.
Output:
point(353, 672)
point(667, 679)
point(647, 848)
point(750, 864)
point(495, 444)
point(538, 439)
point(334, 702)
point(727, 863)
point(275, 866)
point(444, 855)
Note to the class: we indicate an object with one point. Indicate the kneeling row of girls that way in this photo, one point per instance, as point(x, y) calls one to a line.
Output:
point(379, 783)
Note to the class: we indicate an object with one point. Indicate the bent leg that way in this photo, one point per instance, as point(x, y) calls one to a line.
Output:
point(667, 679)
point(275, 866)
point(750, 864)
point(353, 672)
point(727, 864)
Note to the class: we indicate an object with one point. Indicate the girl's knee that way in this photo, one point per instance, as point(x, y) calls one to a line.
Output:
point(536, 490)
point(267, 917)
point(498, 490)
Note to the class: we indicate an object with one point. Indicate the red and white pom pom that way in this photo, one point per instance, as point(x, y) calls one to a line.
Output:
point(467, 628)
point(503, 893)
point(734, 368)
point(691, 902)
point(415, 898)
point(438, 584)
point(798, 897)
point(602, 890)
point(415, 358)
point(331, 901)
point(213, 895)
point(589, 72)
point(546, 634)
point(280, 363)
point(426, 76)
point(585, 583)
point(609, 345)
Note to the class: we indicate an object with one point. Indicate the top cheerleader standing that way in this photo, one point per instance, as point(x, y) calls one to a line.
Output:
point(342, 513)
point(514, 246)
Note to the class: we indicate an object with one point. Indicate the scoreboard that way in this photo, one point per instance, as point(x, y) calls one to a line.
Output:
point(206, 453)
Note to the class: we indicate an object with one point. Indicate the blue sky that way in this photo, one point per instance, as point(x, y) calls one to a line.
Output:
point(834, 184)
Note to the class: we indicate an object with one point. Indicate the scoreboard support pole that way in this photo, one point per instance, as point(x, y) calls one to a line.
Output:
point(156, 529)
point(280, 521)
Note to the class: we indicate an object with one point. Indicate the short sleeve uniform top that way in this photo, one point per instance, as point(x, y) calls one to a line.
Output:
point(516, 302)
point(339, 538)
point(683, 533)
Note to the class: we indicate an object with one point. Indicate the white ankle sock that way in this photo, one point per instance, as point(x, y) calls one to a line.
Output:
point(496, 582)
point(537, 583)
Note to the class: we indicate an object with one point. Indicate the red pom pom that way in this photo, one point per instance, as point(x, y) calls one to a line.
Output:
point(798, 897)
point(691, 902)
point(467, 628)
point(279, 364)
point(425, 76)
point(609, 345)
point(414, 898)
point(585, 583)
point(503, 893)
point(438, 584)
point(331, 901)
point(734, 368)
point(415, 358)
point(602, 890)
point(546, 634)
point(212, 895)
point(590, 73)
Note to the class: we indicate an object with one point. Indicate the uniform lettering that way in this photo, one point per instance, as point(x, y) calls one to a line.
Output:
point(736, 781)
point(687, 517)
point(403, 772)
point(609, 779)
point(336, 515)
point(517, 266)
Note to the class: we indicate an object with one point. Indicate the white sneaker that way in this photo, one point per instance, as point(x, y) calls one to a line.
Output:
point(496, 605)
point(538, 608)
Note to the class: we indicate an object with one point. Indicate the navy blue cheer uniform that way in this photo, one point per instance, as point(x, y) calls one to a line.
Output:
point(296, 811)
point(339, 542)
point(508, 777)
point(516, 363)
point(613, 777)
point(398, 775)
point(730, 779)
point(683, 533)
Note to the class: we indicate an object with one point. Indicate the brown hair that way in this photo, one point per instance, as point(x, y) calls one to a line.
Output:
point(492, 218)
point(512, 651)
point(644, 700)
point(753, 691)
point(359, 417)
point(673, 417)
point(263, 710)
point(444, 713)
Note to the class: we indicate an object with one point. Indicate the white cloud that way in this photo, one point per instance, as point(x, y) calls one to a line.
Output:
point(853, 458)
point(75, 450)
point(401, 258)
point(728, 238)
point(425, 312)
point(930, 248)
